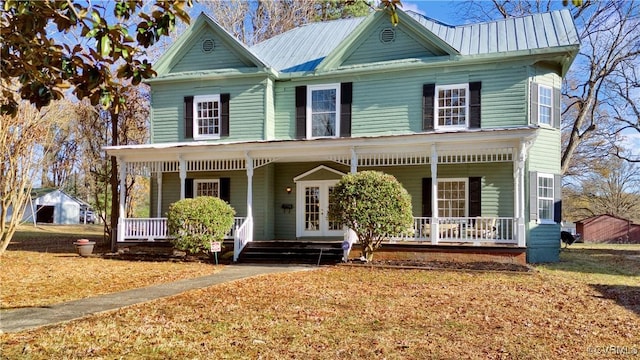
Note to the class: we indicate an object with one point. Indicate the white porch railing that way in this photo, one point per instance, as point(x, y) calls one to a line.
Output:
point(152, 229)
point(242, 236)
point(476, 230)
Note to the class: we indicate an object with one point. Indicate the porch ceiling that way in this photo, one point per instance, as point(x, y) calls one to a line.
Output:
point(494, 145)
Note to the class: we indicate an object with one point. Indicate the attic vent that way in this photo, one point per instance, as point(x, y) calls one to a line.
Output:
point(387, 35)
point(208, 45)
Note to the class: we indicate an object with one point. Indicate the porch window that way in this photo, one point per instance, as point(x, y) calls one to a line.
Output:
point(545, 198)
point(209, 187)
point(323, 111)
point(545, 105)
point(452, 197)
point(206, 117)
point(452, 106)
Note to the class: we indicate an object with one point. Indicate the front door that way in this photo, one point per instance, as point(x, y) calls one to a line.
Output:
point(313, 209)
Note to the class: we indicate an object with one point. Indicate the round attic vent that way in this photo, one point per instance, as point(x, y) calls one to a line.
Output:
point(208, 45)
point(387, 35)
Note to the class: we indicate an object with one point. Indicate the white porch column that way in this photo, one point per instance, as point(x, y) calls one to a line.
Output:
point(520, 191)
point(249, 161)
point(159, 197)
point(123, 189)
point(354, 161)
point(183, 176)
point(435, 233)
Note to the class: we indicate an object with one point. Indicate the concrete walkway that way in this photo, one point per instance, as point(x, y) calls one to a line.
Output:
point(15, 320)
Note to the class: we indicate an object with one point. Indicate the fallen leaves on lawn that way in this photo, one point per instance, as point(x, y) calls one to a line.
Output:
point(354, 313)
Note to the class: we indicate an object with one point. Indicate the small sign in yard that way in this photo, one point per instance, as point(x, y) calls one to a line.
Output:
point(215, 246)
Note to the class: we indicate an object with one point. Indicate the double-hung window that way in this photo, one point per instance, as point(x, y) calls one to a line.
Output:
point(545, 105)
point(206, 117)
point(323, 111)
point(545, 198)
point(452, 197)
point(207, 187)
point(452, 106)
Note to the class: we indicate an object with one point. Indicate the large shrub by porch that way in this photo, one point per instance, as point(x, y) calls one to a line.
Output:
point(194, 223)
point(372, 204)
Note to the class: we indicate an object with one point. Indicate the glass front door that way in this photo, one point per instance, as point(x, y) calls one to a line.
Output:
point(313, 205)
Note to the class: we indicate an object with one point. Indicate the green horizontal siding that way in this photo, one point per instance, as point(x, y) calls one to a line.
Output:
point(544, 155)
point(543, 243)
point(387, 104)
point(222, 57)
point(246, 109)
point(373, 50)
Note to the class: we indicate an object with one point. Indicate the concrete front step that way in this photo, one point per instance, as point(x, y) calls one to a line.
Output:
point(292, 252)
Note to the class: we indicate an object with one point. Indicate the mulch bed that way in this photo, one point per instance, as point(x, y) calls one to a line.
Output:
point(446, 265)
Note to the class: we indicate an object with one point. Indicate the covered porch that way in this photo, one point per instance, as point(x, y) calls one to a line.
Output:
point(424, 154)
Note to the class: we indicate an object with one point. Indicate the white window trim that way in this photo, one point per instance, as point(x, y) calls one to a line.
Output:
point(466, 193)
point(547, 176)
point(436, 107)
point(200, 181)
point(196, 128)
point(310, 90)
point(540, 87)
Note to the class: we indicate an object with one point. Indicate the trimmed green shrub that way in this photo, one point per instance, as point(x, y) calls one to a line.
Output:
point(374, 205)
point(195, 223)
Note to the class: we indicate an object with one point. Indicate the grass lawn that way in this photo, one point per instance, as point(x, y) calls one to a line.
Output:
point(41, 267)
point(586, 306)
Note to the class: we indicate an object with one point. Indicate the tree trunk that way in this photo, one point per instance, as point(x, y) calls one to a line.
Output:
point(115, 197)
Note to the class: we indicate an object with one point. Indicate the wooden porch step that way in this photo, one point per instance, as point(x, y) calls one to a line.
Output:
point(292, 252)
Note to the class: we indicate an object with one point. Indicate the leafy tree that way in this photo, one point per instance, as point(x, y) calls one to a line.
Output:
point(195, 223)
point(45, 66)
point(374, 205)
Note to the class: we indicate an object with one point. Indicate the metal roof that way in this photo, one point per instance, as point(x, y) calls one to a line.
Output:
point(303, 48)
point(529, 32)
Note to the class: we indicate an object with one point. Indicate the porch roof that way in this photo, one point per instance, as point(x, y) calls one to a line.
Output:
point(310, 149)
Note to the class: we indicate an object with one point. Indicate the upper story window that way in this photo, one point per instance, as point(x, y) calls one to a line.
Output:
point(545, 105)
point(323, 111)
point(452, 106)
point(208, 187)
point(545, 198)
point(206, 117)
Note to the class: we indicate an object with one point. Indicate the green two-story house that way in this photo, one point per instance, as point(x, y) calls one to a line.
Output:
point(467, 118)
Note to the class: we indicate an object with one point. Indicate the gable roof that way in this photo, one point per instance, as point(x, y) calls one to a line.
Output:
point(166, 62)
point(316, 45)
point(597, 217)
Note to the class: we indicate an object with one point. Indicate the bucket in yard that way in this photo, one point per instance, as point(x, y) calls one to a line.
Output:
point(84, 247)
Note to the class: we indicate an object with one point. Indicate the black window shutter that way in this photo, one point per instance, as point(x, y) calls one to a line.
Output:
point(475, 196)
point(188, 117)
point(475, 88)
point(533, 196)
point(188, 188)
point(301, 112)
point(426, 197)
point(557, 198)
point(346, 98)
point(533, 93)
point(428, 98)
point(225, 189)
point(556, 108)
point(224, 114)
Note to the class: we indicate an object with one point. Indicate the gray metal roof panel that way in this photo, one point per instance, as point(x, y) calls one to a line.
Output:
point(303, 48)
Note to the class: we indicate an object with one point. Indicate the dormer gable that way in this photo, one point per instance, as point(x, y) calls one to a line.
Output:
point(205, 45)
point(376, 40)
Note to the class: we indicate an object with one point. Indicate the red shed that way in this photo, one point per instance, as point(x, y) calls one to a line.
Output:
point(608, 229)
